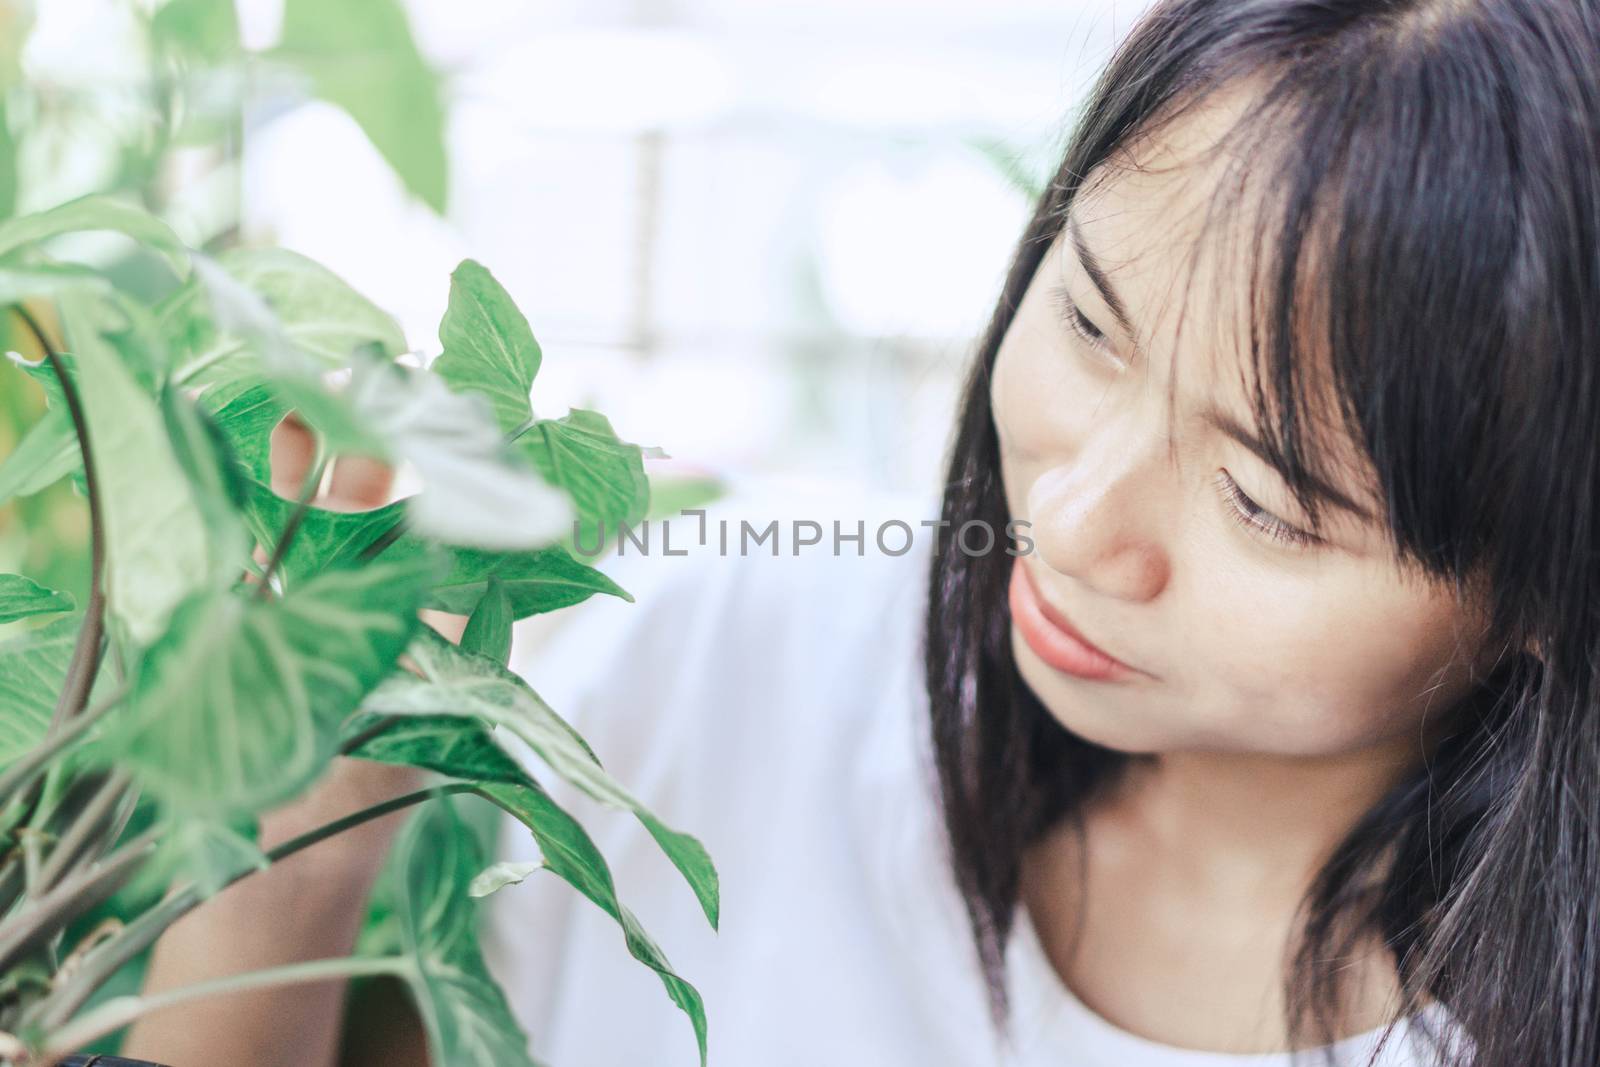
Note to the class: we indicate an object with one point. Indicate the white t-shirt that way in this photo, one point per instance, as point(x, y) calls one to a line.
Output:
point(774, 708)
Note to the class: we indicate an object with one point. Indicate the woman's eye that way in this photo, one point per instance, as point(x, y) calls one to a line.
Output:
point(1079, 324)
point(1253, 517)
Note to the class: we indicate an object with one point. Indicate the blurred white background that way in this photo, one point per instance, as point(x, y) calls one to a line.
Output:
point(762, 235)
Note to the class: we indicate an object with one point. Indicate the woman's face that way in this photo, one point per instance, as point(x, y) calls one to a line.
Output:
point(1182, 556)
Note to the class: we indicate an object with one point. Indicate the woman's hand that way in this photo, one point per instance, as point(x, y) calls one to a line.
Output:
point(307, 906)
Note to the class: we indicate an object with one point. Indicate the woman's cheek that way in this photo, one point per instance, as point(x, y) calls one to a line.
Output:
point(1327, 672)
point(1040, 391)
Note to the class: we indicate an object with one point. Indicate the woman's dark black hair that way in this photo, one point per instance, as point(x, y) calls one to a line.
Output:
point(1431, 173)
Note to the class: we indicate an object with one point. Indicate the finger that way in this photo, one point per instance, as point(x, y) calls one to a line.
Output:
point(291, 450)
point(448, 626)
point(358, 483)
point(259, 554)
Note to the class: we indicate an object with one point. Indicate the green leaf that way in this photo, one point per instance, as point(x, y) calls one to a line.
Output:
point(49, 450)
point(476, 489)
point(47, 453)
point(325, 538)
point(463, 748)
point(570, 853)
point(468, 1021)
point(208, 852)
point(21, 597)
point(497, 876)
point(246, 414)
point(488, 346)
point(270, 356)
point(19, 282)
point(156, 544)
point(96, 213)
point(535, 581)
point(469, 685)
point(8, 157)
point(238, 705)
point(32, 670)
point(360, 55)
point(671, 494)
point(204, 31)
point(221, 488)
point(449, 744)
point(43, 372)
point(316, 311)
point(454, 681)
point(604, 476)
point(488, 631)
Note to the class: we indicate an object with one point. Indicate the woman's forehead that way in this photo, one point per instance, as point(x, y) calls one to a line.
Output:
point(1138, 246)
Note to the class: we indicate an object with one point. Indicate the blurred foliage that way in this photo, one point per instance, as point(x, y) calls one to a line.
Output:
point(172, 141)
point(169, 140)
point(238, 642)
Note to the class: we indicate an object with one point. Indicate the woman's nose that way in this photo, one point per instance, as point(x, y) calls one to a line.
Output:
point(1100, 519)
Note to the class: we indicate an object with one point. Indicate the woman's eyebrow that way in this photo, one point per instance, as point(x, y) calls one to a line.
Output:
point(1097, 275)
point(1226, 424)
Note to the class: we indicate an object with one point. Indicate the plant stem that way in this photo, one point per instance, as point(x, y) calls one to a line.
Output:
point(80, 836)
point(339, 826)
point(141, 933)
point(377, 729)
point(86, 653)
point(307, 491)
point(384, 540)
point(114, 1014)
point(21, 773)
point(79, 892)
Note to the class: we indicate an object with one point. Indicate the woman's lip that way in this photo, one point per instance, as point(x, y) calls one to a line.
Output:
point(1052, 637)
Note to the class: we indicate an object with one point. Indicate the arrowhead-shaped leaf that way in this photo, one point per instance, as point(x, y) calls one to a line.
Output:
point(468, 1021)
point(96, 213)
point(497, 876)
point(476, 489)
point(47, 453)
point(316, 310)
point(456, 682)
point(463, 748)
point(32, 669)
point(156, 543)
point(246, 414)
point(360, 55)
point(21, 597)
point(570, 852)
point(238, 706)
point(535, 581)
point(449, 744)
point(325, 538)
point(488, 346)
point(604, 475)
point(49, 450)
point(488, 630)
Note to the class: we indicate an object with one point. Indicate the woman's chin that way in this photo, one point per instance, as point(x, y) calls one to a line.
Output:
point(1084, 708)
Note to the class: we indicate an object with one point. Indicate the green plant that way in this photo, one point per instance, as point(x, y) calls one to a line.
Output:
point(166, 126)
point(233, 642)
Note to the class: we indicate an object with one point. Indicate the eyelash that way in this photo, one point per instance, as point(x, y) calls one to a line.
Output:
point(1246, 512)
point(1253, 517)
point(1069, 311)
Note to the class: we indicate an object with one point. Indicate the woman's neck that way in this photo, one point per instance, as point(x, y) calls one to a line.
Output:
point(1170, 907)
point(1256, 813)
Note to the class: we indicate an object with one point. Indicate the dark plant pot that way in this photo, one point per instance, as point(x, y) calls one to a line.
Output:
point(105, 1061)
